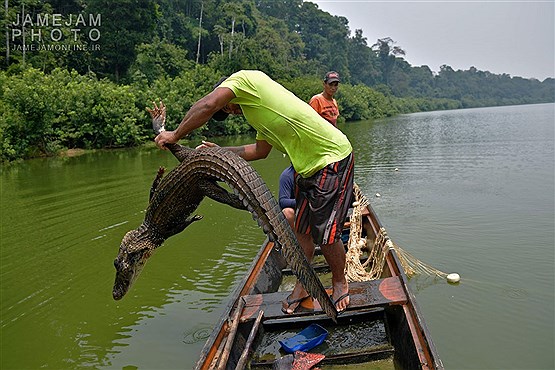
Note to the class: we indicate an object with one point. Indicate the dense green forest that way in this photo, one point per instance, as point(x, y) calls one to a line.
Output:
point(79, 73)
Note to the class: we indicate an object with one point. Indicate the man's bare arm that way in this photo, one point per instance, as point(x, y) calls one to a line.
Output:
point(197, 116)
point(249, 152)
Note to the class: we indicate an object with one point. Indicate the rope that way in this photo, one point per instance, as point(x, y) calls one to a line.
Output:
point(357, 271)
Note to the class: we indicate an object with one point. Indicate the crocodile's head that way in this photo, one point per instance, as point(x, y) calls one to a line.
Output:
point(135, 248)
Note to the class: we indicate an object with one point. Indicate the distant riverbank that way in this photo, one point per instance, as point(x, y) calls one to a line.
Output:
point(48, 113)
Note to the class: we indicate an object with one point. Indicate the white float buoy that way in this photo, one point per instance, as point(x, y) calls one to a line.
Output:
point(356, 204)
point(453, 278)
point(396, 169)
point(378, 195)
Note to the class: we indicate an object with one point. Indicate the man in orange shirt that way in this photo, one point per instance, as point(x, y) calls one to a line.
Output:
point(324, 103)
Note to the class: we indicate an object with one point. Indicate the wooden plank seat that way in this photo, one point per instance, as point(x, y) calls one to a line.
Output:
point(364, 295)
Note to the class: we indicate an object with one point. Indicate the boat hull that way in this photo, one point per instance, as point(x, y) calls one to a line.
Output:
point(382, 323)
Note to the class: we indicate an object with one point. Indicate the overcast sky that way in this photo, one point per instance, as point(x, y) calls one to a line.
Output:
point(514, 37)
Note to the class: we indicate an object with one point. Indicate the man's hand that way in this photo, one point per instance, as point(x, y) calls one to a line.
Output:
point(207, 144)
point(158, 115)
point(165, 137)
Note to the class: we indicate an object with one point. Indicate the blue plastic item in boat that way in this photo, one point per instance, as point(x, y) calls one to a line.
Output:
point(307, 339)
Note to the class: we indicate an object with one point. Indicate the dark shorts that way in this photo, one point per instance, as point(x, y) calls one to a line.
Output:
point(323, 201)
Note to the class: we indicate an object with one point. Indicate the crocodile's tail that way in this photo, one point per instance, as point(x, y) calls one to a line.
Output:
point(225, 166)
point(179, 151)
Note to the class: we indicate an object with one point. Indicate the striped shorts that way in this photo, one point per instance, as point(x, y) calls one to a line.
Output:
point(323, 201)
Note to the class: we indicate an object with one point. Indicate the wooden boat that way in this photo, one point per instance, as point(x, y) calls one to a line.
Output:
point(382, 325)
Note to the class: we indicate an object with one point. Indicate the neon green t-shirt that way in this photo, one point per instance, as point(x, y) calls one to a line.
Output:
point(287, 123)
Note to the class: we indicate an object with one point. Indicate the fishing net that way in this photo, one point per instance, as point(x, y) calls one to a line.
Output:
point(371, 269)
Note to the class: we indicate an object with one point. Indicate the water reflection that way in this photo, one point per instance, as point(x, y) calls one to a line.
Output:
point(474, 193)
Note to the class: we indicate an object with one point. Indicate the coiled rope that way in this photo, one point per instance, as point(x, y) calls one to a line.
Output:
point(372, 268)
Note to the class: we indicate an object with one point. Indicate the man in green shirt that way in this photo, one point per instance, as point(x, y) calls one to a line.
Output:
point(321, 156)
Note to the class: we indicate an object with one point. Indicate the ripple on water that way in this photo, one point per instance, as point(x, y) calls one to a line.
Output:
point(197, 333)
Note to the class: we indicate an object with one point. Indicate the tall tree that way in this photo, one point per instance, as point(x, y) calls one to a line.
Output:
point(325, 38)
point(363, 63)
point(125, 24)
point(387, 53)
point(6, 14)
point(237, 13)
point(199, 30)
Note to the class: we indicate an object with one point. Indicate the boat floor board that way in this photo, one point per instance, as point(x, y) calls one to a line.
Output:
point(363, 338)
point(364, 295)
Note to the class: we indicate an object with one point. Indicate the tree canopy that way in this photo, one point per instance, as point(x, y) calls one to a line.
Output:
point(132, 51)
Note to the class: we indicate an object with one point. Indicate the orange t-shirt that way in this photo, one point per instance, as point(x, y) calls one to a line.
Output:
point(326, 108)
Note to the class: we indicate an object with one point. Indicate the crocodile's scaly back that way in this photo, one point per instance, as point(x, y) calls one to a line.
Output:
point(178, 195)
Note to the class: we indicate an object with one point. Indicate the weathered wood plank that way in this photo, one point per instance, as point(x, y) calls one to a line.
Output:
point(364, 295)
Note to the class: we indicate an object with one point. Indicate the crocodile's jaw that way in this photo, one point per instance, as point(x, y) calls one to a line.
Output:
point(124, 279)
point(129, 263)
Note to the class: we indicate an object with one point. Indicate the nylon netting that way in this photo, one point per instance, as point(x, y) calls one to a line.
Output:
point(372, 268)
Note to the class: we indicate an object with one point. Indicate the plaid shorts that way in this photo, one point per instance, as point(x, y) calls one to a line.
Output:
point(323, 201)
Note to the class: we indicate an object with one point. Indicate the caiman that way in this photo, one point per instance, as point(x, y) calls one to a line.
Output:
point(174, 199)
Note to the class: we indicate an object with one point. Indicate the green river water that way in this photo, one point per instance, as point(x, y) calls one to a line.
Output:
point(473, 193)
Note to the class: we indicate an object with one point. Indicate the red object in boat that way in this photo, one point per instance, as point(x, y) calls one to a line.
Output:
point(305, 361)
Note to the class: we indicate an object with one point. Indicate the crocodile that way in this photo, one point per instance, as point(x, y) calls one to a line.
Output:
point(175, 197)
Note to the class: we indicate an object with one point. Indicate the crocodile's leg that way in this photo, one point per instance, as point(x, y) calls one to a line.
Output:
point(215, 192)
